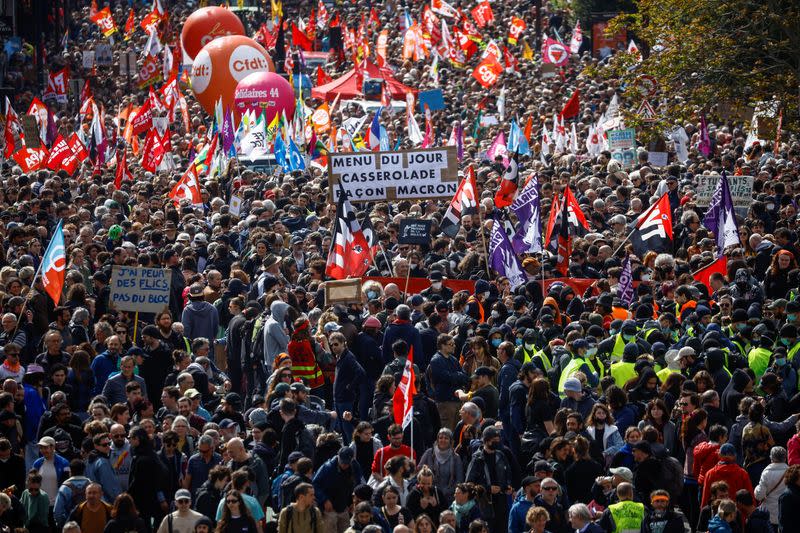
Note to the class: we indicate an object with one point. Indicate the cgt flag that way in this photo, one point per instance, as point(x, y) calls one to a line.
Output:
point(464, 202)
point(53, 265)
point(625, 290)
point(653, 229)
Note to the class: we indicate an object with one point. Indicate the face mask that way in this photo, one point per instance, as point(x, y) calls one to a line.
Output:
point(371, 295)
point(612, 332)
point(770, 206)
point(780, 362)
point(496, 342)
point(495, 314)
point(791, 318)
point(785, 342)
point(470, 332)
point(518, 342)
point(494, 445)
point(627, 337)
point(436, 285)
point(741, 327)
point(591, 352)
point(529, 347)
point(666, 331)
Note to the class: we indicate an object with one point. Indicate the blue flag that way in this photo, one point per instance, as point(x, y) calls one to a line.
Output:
point(528, 236)
point(502, 257)
point(296, 160)
point(279, 149)
point(517, 143)
point(625, 289)
point(374, 133)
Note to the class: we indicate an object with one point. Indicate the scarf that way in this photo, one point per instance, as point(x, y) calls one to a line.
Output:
point(442, 456)
point(14, 369)
point(463, 510)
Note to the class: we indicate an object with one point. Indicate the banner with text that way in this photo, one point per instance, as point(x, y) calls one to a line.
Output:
point(741, 190)
point(404, 174)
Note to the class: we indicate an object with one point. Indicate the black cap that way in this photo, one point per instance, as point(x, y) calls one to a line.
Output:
point(346, 455)
point(529, 480)
point(542, 466)
point(643, 446)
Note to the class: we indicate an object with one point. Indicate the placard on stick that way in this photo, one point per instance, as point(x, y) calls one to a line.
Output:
point(343, 291)
point(414, 231)
point(143, 290)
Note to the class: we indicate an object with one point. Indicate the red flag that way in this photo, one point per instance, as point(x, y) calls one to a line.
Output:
point(403, 399)
point(122, 170)
point(187, 188)
point(143, 120)
point(704, 274)
point(515, 30)
point(105, 22)
point(58, 153)
point(564, 242)
point(130, 25)
point(13, 126)
point(488, 71)
point(572, 107)
point(529, 129)
point(482, 13)
point(57, 83)
point(152, 151)
point(30, 159)
point(322, 76)
point(78, 148)
point(301, 39)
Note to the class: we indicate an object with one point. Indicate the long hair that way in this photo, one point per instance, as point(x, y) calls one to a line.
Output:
point(540, 390)
point(124, 507)
point(774, 269)
point(692, 426)
point(222, 526)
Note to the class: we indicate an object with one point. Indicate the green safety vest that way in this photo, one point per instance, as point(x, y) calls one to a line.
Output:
point(573, 366)
point(526, 357)
point(744, 347)
point(545, 360)
point(758, 361)
point(665, 373)
point(619, 347)
point(627, 516)
point(622, 372)
point(793, 351)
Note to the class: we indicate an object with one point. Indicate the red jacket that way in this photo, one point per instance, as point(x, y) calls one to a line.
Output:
point(794, 450)
point(734, 475)
point(706, 457)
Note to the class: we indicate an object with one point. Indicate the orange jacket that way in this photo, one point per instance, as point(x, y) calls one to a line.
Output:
point(706, 457)
point(730, 472)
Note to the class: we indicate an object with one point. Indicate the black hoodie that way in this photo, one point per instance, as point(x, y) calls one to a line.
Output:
point(734, 392)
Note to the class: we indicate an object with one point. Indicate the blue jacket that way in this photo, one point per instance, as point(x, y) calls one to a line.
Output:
point(518, 400)
point(114, 388)
point(200, 319)
point(718, 525)
point(401, 330)
point(99, 470)
point(447, 377)
point(34, 409)
point(64, 498)
point(61, 464)
point(349, 375)
point(326, 478)
point(516, 517)
point(507, 376)
point(103, 366)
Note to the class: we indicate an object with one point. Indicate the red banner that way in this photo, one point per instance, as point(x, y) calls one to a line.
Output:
point(488, 71)
point(483, 15)
point(105, 21)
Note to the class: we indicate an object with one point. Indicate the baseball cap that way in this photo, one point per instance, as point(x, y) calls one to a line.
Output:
point(623, 472)
point(294, 457)
point(191, 393)
point(331, 327)
point(544, 466)
point(183, 494)
point(299, 386)
point(227, 424)
point(47, 441)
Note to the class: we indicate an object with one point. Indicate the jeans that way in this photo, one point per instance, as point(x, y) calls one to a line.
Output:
point(365, 393)
point(344, 427)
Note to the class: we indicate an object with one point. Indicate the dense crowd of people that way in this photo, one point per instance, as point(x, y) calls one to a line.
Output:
point(250, 404)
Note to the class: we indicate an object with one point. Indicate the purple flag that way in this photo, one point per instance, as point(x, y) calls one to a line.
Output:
point(528, 237)
point(704, 145)
point(625, 290)
point(720, 218)
point(227, 132)
point(502, 257)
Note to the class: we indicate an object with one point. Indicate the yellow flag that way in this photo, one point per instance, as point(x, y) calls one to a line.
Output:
point(277, 9)
point(527, 52)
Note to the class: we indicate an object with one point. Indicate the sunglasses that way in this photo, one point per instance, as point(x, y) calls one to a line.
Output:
point(231, 501)
point(549, 488)
point(183, 501)
point(335, 344)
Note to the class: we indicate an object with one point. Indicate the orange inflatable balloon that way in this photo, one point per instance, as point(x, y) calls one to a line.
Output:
point(207, 24)
point(222, 64)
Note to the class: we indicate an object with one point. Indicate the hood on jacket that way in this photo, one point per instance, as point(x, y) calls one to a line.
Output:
point(739, 380)
point(278, 311)
point(715, 360)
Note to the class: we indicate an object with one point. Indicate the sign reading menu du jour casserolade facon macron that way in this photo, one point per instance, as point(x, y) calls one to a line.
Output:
point(404, 174)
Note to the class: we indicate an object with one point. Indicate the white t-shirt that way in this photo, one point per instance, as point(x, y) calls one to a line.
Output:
point(49, 480)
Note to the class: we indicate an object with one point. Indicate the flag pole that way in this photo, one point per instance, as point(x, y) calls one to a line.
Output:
point(485, 246)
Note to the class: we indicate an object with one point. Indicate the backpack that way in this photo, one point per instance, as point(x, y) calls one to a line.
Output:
point(78, 495)
point(672, 475)
point(290, 511)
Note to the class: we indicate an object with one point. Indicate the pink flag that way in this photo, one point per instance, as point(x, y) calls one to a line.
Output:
point(498, 148)
point(704, 144)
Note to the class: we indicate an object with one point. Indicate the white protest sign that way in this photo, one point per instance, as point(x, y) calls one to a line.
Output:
point(405, 174)
point(658, 159)
point(741, 190)
point(235, 206)
point(139, 289)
